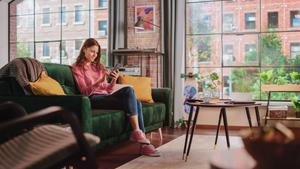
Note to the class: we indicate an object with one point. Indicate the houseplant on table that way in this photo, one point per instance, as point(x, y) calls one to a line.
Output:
point(210, 84)
point(296, 105)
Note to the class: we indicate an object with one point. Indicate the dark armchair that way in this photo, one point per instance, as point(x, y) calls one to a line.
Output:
point(46, 145)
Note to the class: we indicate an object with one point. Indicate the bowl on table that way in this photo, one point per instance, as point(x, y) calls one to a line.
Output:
point(272, 149)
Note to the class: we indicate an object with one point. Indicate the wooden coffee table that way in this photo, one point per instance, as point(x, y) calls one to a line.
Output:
point(222, 115)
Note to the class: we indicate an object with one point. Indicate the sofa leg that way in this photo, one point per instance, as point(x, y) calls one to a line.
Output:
point(159, 134)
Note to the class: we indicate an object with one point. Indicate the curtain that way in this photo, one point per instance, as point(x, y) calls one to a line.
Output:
point(174, 46)
point(118, 21)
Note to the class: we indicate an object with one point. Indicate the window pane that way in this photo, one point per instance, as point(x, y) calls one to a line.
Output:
point(104, 51)
point(295, 50)
point(52, 5)
point(21, 7)
point(102, 3)
point(21, 28)
point(46, 16)
point(79, 14)
point(18, 50)
point(203, 17)
point(250, 20)
point(295, 19)
point(272, 19)
point(241, 80)
point(52, 30)
point(240, 50)
point(71, 5)
point(48, 52)
point(276, 48)
point(102, 28)
point(77, 30)
point(203, 51)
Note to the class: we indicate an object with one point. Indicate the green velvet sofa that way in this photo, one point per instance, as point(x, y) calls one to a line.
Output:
point(110, 125)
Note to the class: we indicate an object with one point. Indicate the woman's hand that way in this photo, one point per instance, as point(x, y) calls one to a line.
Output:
point(114, 74)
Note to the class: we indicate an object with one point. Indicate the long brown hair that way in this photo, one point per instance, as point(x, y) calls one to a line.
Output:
point(81, 57)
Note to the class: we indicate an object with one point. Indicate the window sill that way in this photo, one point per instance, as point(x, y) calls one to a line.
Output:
point(78, 23)
point(46, 25)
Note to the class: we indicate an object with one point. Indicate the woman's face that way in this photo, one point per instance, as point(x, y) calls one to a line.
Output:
point(91, 53)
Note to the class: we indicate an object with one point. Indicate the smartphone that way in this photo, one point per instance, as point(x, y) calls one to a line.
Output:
point(117, 66)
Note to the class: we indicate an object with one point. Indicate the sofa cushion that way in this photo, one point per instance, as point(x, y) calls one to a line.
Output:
point(64, 76)
point(153, 113)
point(141, 85)
point(46, 86)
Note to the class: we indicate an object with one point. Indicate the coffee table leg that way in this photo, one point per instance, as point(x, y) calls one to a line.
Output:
point(219, 122)
point(226, 126)
point(248, 116)
point(187, 132)
point(192, 134)
point(257, 115)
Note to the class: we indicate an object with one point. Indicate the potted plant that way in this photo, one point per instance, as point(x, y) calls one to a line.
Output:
point(209, 85)
point(296, 105)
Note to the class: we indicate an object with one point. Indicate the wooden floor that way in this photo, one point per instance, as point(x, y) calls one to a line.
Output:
point(115, 156)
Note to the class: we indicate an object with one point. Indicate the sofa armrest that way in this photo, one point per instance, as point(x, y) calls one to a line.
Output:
point(165, 95)
point(78, 104)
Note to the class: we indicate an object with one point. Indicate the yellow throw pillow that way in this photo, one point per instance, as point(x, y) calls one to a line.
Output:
point(46, 86)
point(141, 86)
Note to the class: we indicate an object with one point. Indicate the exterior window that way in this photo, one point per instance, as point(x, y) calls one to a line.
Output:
point(102, 3)
point(78, 44)
point(46, 16)
point(206, 19)
point(272, 19)
point(228, 24)
point(78, 14)
point(250, 53)
point(228, 54)
point(46, 49)
point(62, 15)
point(102, 28)
point(250, 20)
point(295, 50)
point(295, 19)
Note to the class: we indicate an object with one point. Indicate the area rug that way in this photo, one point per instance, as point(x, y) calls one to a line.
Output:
point(171, 154)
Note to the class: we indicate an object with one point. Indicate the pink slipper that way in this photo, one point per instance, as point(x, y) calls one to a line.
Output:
point(139, 136)
point(149, 150)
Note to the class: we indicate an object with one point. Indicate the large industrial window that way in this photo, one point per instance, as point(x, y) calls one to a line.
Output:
point(248, 43)
point(53, 31)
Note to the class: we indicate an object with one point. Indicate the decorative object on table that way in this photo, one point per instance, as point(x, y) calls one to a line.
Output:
point(273, 147)
point(210, 85)
point(296, 105)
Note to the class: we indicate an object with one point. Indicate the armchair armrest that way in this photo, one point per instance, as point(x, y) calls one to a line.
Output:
point(35, 118)
point(78, 104)
point(165, 95)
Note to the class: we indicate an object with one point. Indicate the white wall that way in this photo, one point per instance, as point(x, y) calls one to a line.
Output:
point(3, 33)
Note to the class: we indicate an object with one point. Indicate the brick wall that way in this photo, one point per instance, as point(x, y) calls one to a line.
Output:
point(145, 39)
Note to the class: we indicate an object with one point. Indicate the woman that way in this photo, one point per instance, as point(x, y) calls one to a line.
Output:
point(91, 77)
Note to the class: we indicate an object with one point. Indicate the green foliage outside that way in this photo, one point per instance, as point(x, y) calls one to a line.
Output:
point(22, 50)
point(296, 104)
point(271, 55)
